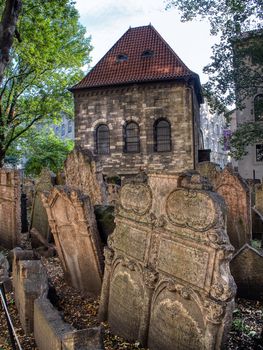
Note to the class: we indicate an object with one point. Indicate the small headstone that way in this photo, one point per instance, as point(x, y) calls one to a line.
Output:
point(39, 219)
point(72, 221)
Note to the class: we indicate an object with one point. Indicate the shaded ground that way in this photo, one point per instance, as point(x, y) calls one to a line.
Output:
point(81, 312)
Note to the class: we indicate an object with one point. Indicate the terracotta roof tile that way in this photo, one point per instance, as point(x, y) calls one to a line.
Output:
point(164, 64)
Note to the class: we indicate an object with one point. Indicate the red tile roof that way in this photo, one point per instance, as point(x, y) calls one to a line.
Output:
point(164, 64)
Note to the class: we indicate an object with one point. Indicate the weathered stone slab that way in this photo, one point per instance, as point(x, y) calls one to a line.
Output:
point(4, 272)
point(84, 174)
point(72, 221)
point(236, 194)
point(247, 270)
point(167, 281)
point(52, 333)
point(29, 282)
point(10, 208)
point(259, 198)
point(39, 219)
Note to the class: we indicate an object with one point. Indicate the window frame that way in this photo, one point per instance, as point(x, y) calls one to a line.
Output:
point(258, 117)
point(155, 135)
point(99, 147)
point(125, 137)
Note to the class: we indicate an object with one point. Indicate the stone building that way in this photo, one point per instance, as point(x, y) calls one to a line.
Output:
point(251, 165)
point(138, 108)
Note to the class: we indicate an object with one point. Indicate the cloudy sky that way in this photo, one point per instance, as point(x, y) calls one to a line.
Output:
point(107, 20)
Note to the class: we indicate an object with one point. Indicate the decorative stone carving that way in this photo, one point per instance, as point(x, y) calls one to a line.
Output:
point(167, 279)
point(236, 194)
point(83, 173)
point(72, 221)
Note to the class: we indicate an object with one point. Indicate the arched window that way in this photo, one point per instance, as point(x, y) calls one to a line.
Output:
point(102, 140)
point(162, 136)
point(258, 108)
point(131, 138)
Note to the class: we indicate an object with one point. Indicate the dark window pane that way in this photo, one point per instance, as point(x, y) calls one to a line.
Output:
point(103, 139)
point(259, 153)
point(132, 138)
point(162, 134)
point(258, 107)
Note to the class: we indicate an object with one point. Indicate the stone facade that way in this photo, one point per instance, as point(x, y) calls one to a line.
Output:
point(167, 279)
point(143, 104)
point(10, 208)
point(247, 270)
point(73, 224)
point(39, 219)
point(29, 282)
point(236, 194)
point(84, 174)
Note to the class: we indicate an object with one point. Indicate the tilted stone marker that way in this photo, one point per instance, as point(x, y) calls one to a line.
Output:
point(72, 221)
point(167, 281)
point(247, 270)
point(10, 208)
point(39, 219)
point(84, 174)
point(236, 194)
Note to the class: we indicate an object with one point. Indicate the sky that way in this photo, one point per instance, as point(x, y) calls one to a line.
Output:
point(107, 20)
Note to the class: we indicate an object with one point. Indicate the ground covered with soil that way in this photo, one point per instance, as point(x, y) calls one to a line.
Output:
point(81, 312)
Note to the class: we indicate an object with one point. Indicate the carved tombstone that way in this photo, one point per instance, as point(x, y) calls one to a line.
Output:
point(72, 221)
point(236, 194)
point(82, 173)
point(10, 208)
point(167, 280)
point(39, 219)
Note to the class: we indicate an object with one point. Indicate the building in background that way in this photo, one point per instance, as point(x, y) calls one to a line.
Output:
point(214, 131)
point(65, 129)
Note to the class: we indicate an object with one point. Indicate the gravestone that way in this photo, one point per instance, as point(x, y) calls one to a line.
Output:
point(247, 270)
point(236, 194)
point(167, 281)
point(10, 208)
point(84, 174)
point(39, 219)
point(72, 221)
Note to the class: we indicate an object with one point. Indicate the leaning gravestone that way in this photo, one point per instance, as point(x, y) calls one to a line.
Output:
point(236, 194)
point(167, 282)
point(83, 173)
point(39, 219)
point(72, 221)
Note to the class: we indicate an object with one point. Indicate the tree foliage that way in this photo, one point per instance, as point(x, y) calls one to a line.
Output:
point(40, 149)
point(236, 67)
point(44, 63)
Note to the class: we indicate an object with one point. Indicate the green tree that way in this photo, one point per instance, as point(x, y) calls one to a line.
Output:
point(43, 64)
point(236, 68)
point(41, 149)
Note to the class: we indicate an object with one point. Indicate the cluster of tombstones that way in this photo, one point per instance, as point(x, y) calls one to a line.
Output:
point(164, 277)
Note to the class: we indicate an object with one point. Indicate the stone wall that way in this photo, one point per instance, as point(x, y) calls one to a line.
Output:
point(10, 208)
point(84, 174)
point(167, 279)
point(73, 224)
point(29, 282)
point(144, 104)
point(236, 194)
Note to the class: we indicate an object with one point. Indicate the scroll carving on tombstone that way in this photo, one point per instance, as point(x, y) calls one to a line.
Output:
point(72, 221)
point(167, 279)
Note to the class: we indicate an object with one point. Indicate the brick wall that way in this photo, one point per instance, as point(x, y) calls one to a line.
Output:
point(144, 104)
point(10, 208)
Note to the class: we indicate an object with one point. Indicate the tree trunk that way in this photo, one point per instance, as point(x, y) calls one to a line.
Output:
point(8, 31)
